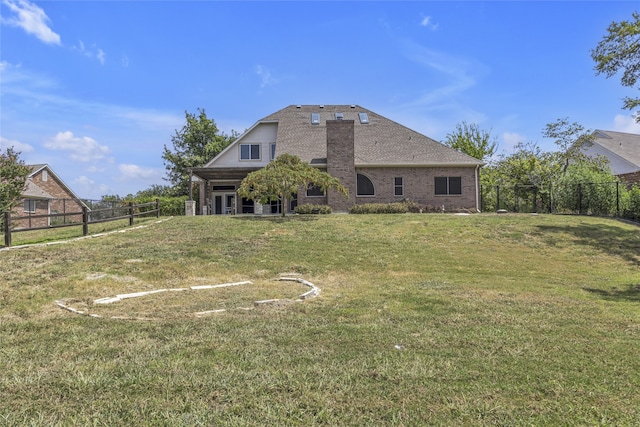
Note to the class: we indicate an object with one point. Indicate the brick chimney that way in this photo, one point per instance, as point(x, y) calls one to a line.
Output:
point(340, 162)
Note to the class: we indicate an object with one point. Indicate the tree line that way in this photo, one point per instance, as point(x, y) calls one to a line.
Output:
point(199, 140)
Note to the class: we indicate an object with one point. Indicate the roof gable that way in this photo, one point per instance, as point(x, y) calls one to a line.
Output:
point(378, 141)
point(35, 191)
point(624, 145)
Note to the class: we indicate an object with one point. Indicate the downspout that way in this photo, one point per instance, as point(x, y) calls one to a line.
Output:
point(477, 190)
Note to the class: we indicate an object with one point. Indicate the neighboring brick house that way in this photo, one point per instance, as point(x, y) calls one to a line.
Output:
point(376, 159)
point(622, 150)
point(46, 194)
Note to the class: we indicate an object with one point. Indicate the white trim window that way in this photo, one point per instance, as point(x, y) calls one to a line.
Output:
point(272, 151)
point(249, 151)
point(398, 186)
point(45, 175)
point(29, 205)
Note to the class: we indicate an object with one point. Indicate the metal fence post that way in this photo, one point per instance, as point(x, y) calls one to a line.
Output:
point(130, 213)
point(7, 228)
point(579, 199)
point(157, 208)
point(617, 199)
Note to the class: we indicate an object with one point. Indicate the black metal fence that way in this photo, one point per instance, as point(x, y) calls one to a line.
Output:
point(74, 212)
point(587, 198)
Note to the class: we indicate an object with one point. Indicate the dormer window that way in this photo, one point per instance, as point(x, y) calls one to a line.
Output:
point(249, 151)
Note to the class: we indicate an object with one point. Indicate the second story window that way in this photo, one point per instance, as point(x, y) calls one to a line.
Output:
point(249, 151)
point(272, 148)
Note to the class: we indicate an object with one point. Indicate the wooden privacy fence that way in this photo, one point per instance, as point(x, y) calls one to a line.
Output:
point(89, 216)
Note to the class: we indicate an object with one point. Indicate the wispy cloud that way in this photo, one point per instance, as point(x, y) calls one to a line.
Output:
point(625, 124)
point(458, 73)
point(17, 145)
point(135, 172)
point(41, 90)
point(510, 140)
point(82, 149)
point(266, 79)
point(428, 23)
point(91, 52)
point(87, 187)
point(31, 19)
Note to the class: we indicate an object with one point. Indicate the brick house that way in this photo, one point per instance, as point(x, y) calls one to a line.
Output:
point(46, 194)
point(375, 158)
point(622, 150)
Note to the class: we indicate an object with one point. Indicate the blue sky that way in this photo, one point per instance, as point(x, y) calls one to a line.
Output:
point(97, 88)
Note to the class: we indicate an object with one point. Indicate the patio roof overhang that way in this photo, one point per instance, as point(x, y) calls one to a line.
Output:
point(212, 174)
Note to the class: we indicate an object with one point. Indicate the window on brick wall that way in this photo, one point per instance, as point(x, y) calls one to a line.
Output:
point(29, 205)
point(398, 186)
point(45, 176)
point(364, 186)
point(315, 191)
point(448, 185)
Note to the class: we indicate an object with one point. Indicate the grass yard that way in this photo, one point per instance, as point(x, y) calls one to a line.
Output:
point(421, 320)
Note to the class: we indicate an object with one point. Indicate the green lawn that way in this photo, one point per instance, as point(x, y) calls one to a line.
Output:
point(421, 320)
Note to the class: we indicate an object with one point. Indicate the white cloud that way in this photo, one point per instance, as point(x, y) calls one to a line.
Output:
point(82, 149)
point(135, 172)
point(266, 78)
point(101, 56)
point(428, 23)
point(31, 19)
point(92, 52)
point(17, 145)
point(510, 140)
point(626, 124)
point(86, 187)
point(459, 74)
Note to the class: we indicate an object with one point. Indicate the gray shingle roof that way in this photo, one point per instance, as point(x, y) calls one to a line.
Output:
point(625, 145)
point(380, 142)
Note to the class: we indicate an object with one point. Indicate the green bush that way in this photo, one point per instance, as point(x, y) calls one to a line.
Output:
point(169, 206)
point(312, 209)
point(381, 208)
point(631, 204)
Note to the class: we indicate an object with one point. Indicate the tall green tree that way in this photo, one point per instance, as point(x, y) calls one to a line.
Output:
point(195, 144)
point(570, 138)
point(281, 179)
point(470, 139)
point(558, 171)
point(619, 50)
point(13, 179)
